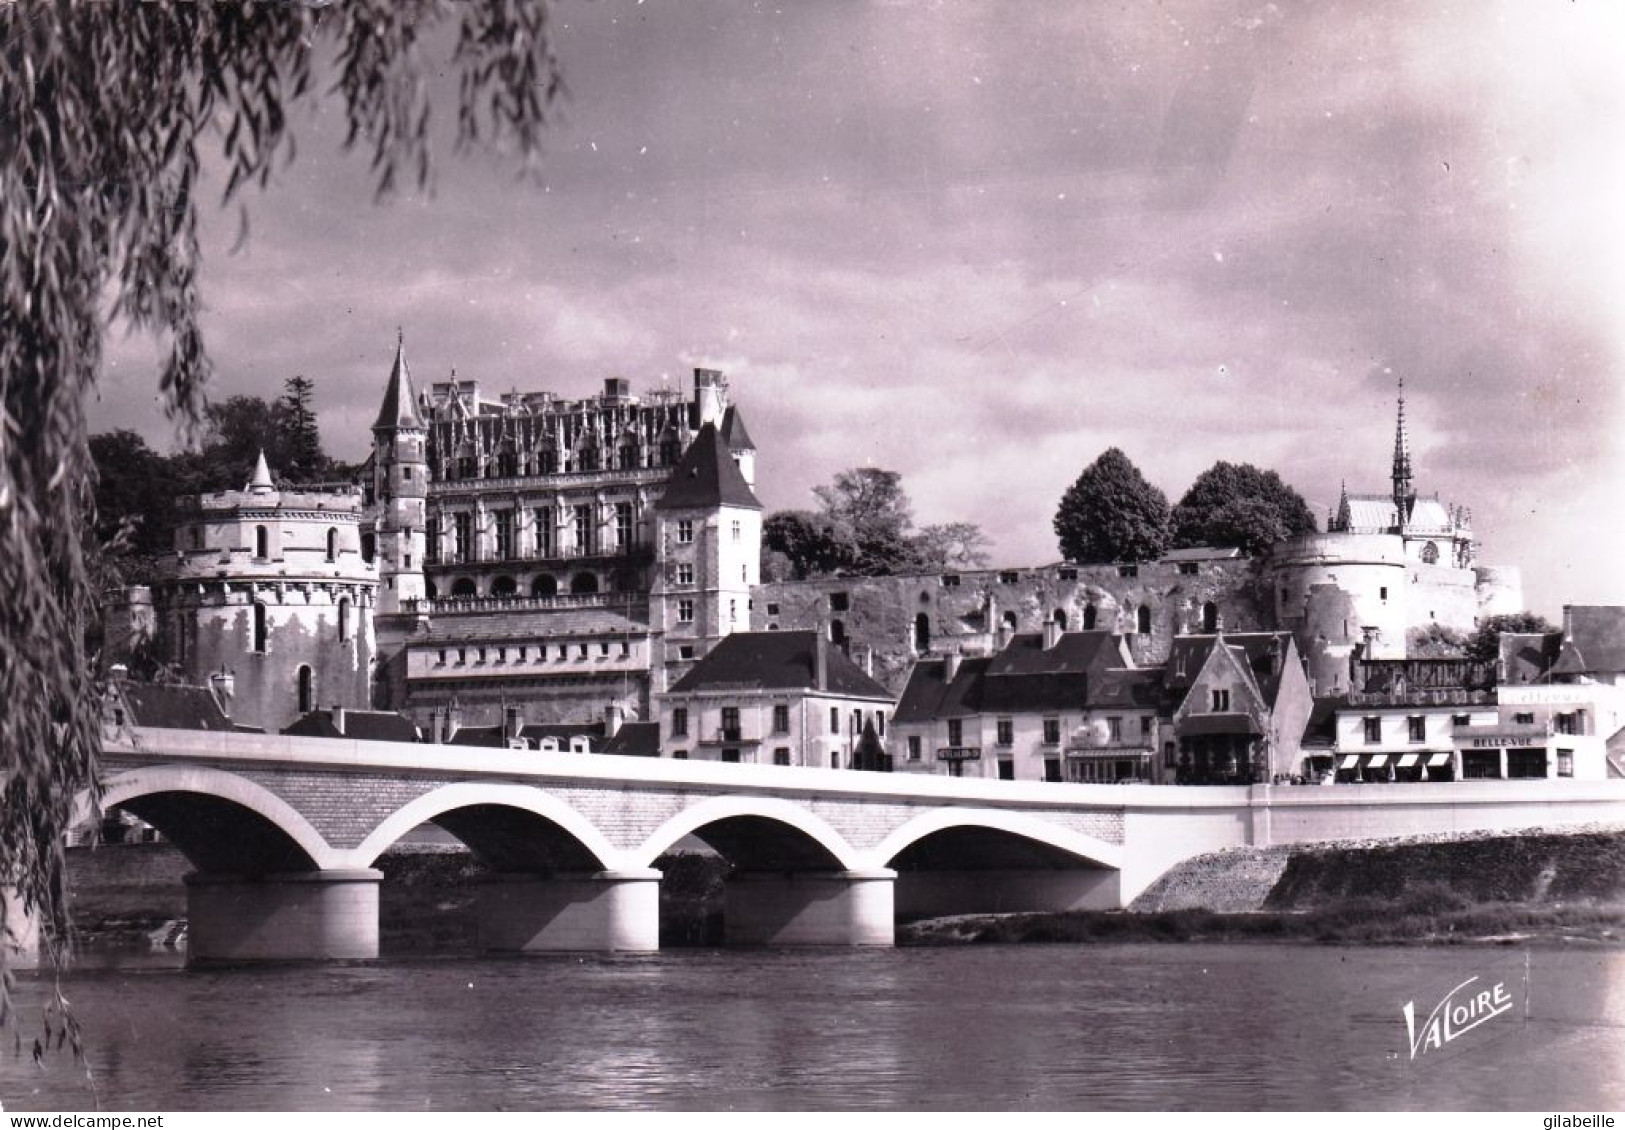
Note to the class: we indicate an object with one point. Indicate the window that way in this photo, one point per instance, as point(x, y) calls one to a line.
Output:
point(1565, 763)
point(679, 722)
point(1523, 719)
point(880, 723)
point(431, 539)
point(781, 756)
point(1461, 720)
point(1128, 570)
point(679, 755)
point(442, 659)
point(730, 723)
point(1373, 731)
point(262, 542)
point(922, 633)
point(307, 694)
point(685, 531)
point(1052, 769)
point(583, 529)
point(837, 632)
point(1007, 769)
point(737, 532)
point(956, 732)
point(1568, 723)
point(1143, 620)
point(332, 544)
point(1210, 617)
point(1006, 731)
point(544, 531)
point(1188, 569)
point(733, 611)
point(462, 537)
point(914, 747)
point(1114, 729)
point(835, 720)
point(504, 530)
point(1221, 701)
point(1052, 731)
point(1060, 618)
point(1009, 578)
point(772, 609)
point(1067, 574)
point(1090, 615)
point(545, 585)
point(260, 633)
point(344, 618)
point(1416, 728)
point(839, 602)
point(781, 718)
point(685, 611)
point(950, 581)
point(1382, 594)
point(685, 573)
point(685, 652)
point(623, 525)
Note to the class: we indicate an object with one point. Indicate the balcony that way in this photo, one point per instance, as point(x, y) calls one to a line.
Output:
point(638, 552)
point(628, 476)
point(631, 604)
point(959, 753)
point(730, 735)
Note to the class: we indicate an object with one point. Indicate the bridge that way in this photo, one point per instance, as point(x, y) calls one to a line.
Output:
point(284, 831)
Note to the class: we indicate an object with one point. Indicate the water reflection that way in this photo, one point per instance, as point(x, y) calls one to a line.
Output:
point(1211, 1027)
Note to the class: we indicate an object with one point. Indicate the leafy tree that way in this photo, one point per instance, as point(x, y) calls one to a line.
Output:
point(1111, 513)
point(1484, 645)
point(807, 541)
point(952, 545)
point(1237, 504)
point(104, 113)
point(135, 494)
point(871, 513)
point(865, 529)
point(1434, 641)
point(303, 458)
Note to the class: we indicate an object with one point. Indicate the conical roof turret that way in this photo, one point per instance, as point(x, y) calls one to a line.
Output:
point(400, 409)
point(261, 482)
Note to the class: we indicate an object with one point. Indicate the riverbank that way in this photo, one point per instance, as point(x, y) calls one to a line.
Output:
point(1559, 886)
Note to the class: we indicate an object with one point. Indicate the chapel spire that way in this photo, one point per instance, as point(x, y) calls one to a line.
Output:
point(1404, 492)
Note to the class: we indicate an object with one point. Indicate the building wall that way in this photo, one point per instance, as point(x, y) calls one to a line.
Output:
point(813, 738)
point(708, 563)
point(1029, 748)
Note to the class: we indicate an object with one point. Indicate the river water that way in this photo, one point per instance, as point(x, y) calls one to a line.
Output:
point(1022, 1027)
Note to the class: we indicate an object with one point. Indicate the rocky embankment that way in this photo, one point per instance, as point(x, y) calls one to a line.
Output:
point(1565, 885)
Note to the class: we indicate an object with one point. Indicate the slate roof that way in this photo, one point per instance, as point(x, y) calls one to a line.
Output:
point(1082, 670)
point(635, 739)
point(1428, 516)
point(734, 433)
point(399, 409)
point(562, 732)
point(707, 476)
point(1372, 512)
point(174, 707)
point(360, 725)
point(1593, 640)
point(1201, 553)
point(538, 625)
point(1528, 657)
point(1259, 656)
point(778, 661)
point(929, 695)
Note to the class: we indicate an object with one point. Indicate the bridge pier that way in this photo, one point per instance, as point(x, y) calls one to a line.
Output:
point(929, 894)
point(21, 938)
point(597, 912)
point(810, 908)
point(308, 916)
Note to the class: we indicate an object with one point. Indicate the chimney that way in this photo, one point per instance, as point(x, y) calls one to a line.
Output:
point(337, 715)
point(435, 736)
point(1052, 634)
point(820, 662)
point(614, 716)
point(950, 665)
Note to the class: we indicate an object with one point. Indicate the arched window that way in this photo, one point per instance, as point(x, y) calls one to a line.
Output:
point(260, 633)
point(430, 589)
point(1060, 618)
point(504, 586)
point(332, 544)
point(922, 633)
point(545, 585)
point(1430, 554)
point(584, 583)
point(1210, 617)
point(1143, 620)
point(307, 691)
point(344, 618)
point(369, 548)
point(463, 586)
point(1090, 615)
point(262, 542)
point(1010, 621)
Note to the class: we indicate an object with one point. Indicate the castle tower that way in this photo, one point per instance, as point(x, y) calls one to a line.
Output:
point(708, 546)
point(400, 490)
point(1404, 489)
point(272, 589)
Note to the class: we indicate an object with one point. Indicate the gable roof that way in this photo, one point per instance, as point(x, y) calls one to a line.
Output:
point(635, 739)
point(360, 725)
point(1528, 657)
point(778, 661)
point(707, 476)
point(929, 694)
point(734, 433)
point(1027, 676)
point(173, 707)
point(1593, 640)
point(399, 409)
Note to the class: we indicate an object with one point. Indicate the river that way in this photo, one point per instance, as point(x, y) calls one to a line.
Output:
point(1021, 1027)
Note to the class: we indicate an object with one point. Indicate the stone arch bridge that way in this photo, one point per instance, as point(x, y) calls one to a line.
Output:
point(284, 831)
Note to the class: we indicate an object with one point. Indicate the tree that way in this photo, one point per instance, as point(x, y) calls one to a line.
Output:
point(303, 458)
point(952, 545)
point(871, 512)
point(1237, 504)
point(1111, 513)
point(807, 541)
point(104, 113)
point(1484, 645)
point(135, 494)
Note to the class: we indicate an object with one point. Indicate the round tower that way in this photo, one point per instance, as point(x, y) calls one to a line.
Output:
point(400, 491)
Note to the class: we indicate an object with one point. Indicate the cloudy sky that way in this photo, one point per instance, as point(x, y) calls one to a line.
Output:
point(980, 243)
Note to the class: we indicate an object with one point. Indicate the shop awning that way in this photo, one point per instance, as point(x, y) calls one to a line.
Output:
point(1201, 725)
point(1108, 754)
point(1437, 759)
point(1350, 761)
point(1409, 759)
point(1377, 761)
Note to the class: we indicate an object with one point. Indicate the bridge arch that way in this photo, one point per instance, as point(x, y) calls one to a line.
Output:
point(1049, 838)
point(511, 828)
point(764, 833)
point(219, 820)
